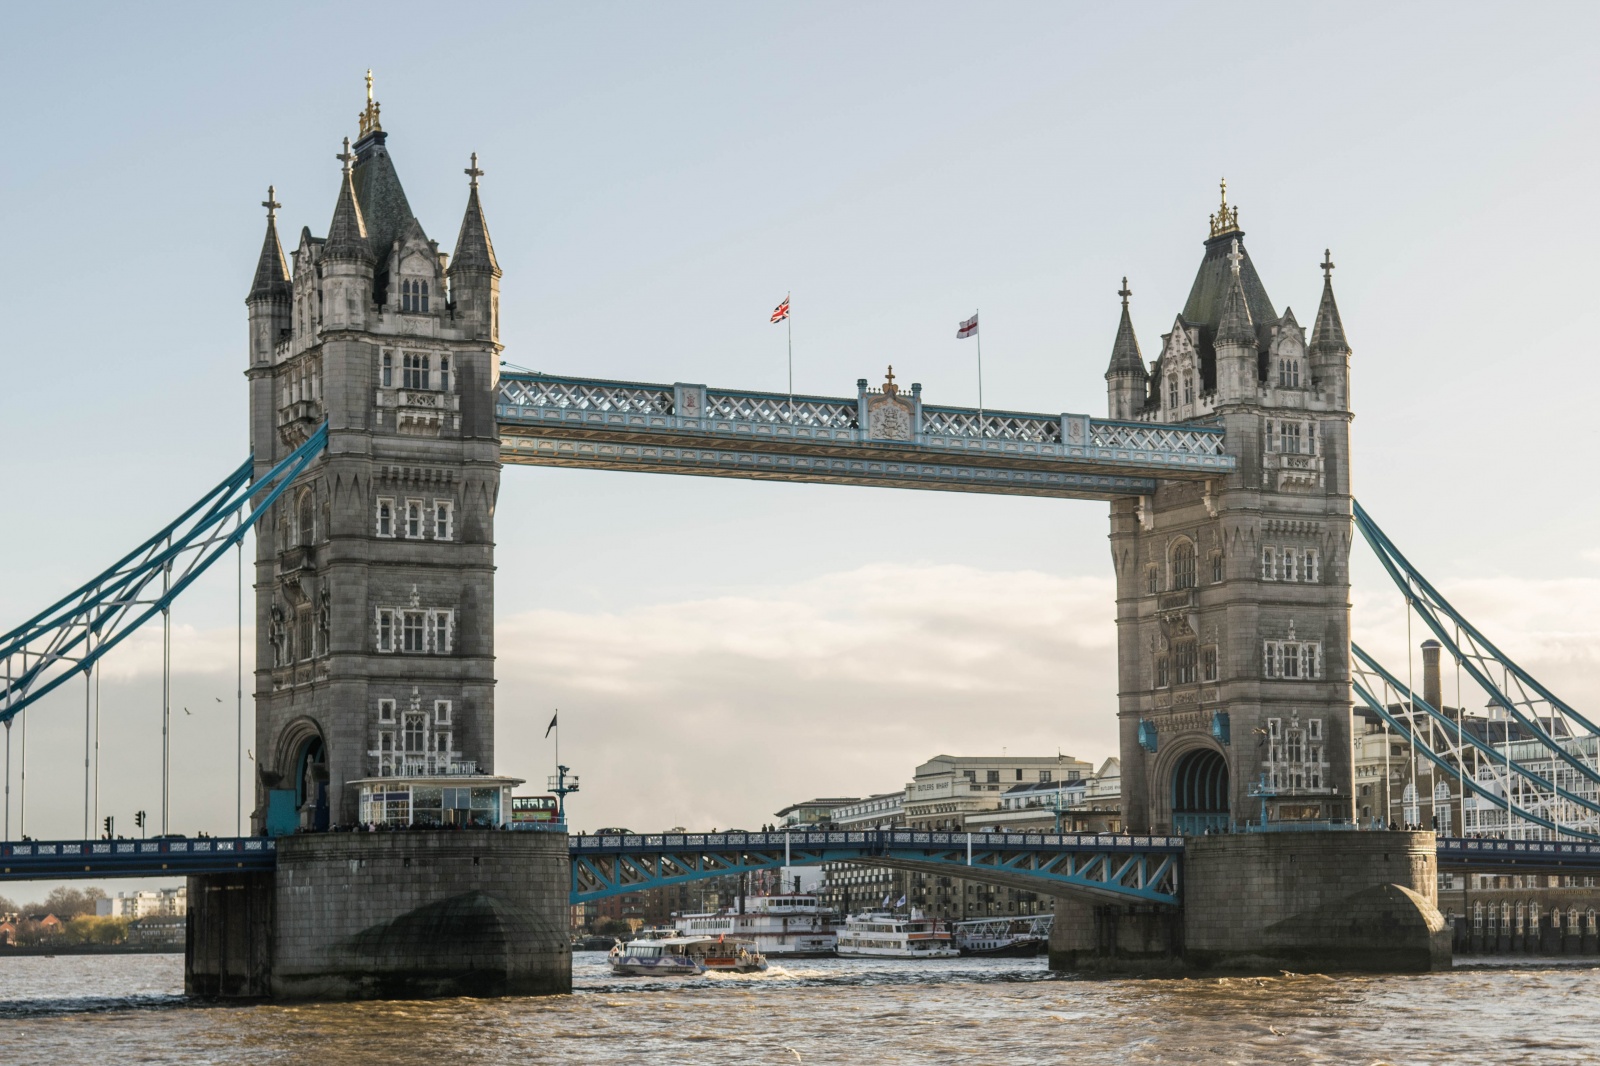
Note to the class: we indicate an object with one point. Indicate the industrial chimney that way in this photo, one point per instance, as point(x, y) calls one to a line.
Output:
point(1432, 690)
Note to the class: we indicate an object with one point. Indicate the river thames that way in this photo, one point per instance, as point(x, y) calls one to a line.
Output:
point(129, 1009)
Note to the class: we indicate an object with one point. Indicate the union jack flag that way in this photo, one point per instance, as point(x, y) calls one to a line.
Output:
point(781, 312)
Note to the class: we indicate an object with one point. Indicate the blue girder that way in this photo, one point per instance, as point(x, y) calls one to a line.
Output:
point(55, 859)
point(1133, 869)
point(69, 636)
point(1494, 852)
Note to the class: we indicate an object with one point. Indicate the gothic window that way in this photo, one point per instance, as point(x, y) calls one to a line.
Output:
point(1152, 579)
point(1308, 567)
point(386, 710)
point(1269, 565)
point(413, 519)
point(385, 517)
point(1288, 373)
point(385, 630)
point(413, 295)
point(386, 374)
point(411, 631)
point(1292, 659)
point(1291, 560)
point(441, 712)
point(1172, 392)
point(444, 373)
point(1216, 568)
point(1183, 565)
point(424, 297)
point(303, 638)
point(305, 518)
point(1208, 664)
point(443, 519)
point(415, 370)
point(1188, 388)
point(439, 635)
point(1289, 660)
point(1161, 672)
point(413, 734)
point(1185, 659)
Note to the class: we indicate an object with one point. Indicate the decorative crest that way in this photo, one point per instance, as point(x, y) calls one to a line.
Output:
point(271, 203)
point(473, 172)
point(1124, 292)
point(1234, 257)
point(369, 117)
point(889, 387)
point(1327, 264)
point(346, 157)
point(1226, 220)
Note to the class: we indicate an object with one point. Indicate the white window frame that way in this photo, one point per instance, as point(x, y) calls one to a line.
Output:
point(407, 618)
point(413, 519)
point(440, 624)
point(385, 516)
point(444, 519)
point(385, 622)
point(1269, 563)
point(1309, 571)
point(441, 712)
point(1289, 563)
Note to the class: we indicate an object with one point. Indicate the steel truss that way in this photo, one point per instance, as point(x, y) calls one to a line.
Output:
point(68, 637)
point(1128, 869)
point(1550, 779)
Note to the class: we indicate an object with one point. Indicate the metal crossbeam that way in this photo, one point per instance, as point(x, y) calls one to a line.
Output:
point(1142, 869)
point(135, 858)
point(69, 636)
point(1488, 853)
point(547, 420)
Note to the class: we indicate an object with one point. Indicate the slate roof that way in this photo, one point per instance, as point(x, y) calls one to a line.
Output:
point(1125, 355)
point(347, 233)
point(474, 250)
point(383, 203)
point(1328, 333)
point(272, 270)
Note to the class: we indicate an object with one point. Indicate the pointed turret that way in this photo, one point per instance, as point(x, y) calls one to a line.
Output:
point(1328, 333)
point(347, 233)
point(1127, 380)
point(1237, 360)
point(272, 270)
point(474, 272)
point(271, 293)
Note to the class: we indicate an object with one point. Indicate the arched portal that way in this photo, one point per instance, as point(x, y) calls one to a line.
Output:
point(1200, 793)
point(311, 784)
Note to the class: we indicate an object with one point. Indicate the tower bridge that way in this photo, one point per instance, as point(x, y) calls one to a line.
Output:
point(381, 419)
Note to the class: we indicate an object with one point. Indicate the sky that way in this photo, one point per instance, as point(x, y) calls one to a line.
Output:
point(657, 178)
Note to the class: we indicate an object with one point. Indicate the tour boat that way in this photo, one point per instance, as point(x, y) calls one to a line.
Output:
point(792, 926)
point(883, 935)
point(686, 956)
point(1004, 937)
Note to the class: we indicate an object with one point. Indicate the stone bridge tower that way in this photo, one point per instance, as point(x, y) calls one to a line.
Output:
point(1233, 605)
point(374, 573)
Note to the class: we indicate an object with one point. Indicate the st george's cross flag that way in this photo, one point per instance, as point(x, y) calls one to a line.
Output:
point(969, 328)
point(780, 312)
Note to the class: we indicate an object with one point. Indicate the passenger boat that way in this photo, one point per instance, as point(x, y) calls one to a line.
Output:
point(883, 935)
point(686, 956)
point(788, 926)
point(1004, 937)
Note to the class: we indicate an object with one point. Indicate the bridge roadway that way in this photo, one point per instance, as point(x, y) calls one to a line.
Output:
point(546, 420)
point(1117, 868)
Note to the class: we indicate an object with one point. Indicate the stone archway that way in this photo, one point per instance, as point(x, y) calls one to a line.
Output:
point(1200, 793)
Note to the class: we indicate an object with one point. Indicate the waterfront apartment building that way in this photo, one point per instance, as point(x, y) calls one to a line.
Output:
point(1090, 804)
point(847, 887)
point(948, 789)
point(161, 903)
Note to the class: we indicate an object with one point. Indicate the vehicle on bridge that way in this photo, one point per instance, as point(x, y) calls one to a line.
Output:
point(531, 809)
point(686, 956)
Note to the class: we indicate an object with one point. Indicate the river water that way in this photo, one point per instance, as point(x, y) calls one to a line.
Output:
point(127, 1009)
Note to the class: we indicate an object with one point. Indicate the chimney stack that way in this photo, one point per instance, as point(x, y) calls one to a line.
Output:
point(1432, 690)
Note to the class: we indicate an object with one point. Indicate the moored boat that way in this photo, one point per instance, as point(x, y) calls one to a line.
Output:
point(686, 956)
point(786, 926)
point(884, 935)
point(1011, 938)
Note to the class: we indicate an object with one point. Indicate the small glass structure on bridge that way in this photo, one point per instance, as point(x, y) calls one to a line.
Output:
point(436, 803)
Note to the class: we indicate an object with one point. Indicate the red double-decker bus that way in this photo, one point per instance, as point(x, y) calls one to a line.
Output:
point(533, 809)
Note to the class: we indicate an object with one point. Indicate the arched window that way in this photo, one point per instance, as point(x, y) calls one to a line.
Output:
point(306, 518)
point(1172, 392)
point(1188, 388)
point(423, 306)
point(1183, 565)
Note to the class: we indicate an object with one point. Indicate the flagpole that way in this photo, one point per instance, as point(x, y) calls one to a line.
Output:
point(979, 333)
point(788, 321)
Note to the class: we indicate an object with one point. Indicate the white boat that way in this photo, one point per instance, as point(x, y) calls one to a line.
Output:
point(788, 926)
point(883, 935)
point(686, 956)
point(1005, 937)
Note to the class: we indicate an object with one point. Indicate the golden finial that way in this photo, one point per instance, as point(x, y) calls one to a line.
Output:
point(889, 387)
point(369, 117)
point(1226, 220)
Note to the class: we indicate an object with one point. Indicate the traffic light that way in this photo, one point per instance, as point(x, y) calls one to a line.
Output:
point(138, 820)
point(108, 821)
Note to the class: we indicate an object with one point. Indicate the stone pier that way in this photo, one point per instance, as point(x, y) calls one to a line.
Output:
point(1266, 902)
point(387, 915)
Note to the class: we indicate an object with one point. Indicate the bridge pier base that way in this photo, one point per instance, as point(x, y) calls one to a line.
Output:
point(1266, 902)
point(401, 915)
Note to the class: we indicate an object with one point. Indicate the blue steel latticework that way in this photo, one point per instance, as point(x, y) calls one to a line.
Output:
point(1544, 769)
point(70, 635)
point(878, 437)
point(1130, 869)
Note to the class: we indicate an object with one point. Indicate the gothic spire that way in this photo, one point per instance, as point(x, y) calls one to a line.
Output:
point(272, 271)
point(1125, 355)
point(474, 250)
point(1328, 333)
point(1235, 325)
point(347, 233)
